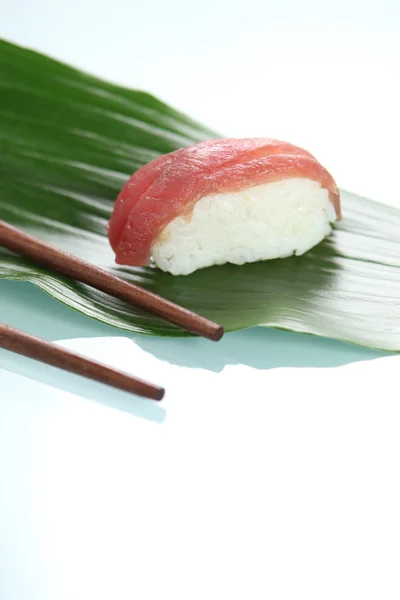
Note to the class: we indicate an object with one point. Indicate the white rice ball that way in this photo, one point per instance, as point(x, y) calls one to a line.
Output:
point(272, 220)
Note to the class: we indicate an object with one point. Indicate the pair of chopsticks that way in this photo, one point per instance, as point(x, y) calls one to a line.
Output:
point(47, 256)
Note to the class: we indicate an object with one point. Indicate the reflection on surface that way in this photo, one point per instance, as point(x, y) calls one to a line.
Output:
point(24, 306)
point(260, 348)
point(84, 388)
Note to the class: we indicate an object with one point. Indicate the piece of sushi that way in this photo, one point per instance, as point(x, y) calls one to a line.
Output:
point(229, 200)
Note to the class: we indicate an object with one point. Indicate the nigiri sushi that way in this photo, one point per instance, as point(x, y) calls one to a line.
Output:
point(225, 200)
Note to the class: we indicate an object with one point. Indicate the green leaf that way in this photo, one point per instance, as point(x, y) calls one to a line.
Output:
point(68, 143)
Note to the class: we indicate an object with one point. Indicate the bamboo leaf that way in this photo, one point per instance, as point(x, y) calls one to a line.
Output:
point(68, 142)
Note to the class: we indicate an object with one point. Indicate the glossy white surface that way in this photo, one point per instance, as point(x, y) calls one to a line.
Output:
point(218, 493)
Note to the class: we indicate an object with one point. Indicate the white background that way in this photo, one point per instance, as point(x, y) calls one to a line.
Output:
point(322, 74)
point(287, 491)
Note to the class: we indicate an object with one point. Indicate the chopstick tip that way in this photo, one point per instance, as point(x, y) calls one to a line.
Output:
point(217, 333)
point(159, 394)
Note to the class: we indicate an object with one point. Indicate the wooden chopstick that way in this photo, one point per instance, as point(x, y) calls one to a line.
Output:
point(51, 354)
point(43, 254)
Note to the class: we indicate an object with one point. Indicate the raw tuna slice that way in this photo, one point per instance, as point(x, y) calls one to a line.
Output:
point(159, 199)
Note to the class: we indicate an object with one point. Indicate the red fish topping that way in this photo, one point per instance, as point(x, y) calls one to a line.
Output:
point(172, 184)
